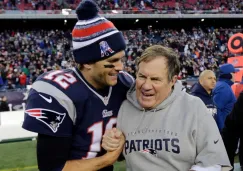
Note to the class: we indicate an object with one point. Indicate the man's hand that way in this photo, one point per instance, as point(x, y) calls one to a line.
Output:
point(113, 142)
point(112, 139)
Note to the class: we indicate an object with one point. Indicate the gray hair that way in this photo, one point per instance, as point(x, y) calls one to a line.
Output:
point(158, 51)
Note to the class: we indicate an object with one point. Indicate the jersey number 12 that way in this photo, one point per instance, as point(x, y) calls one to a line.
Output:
point(61, 78)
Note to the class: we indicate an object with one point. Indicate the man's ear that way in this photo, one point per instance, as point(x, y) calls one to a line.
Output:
point(174, 79)
point(87, 66)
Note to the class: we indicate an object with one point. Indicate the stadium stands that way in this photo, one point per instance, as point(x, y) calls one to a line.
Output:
point(36, 51)
point(134, 6)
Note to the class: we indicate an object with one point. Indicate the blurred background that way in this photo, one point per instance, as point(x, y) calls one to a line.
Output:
point(35, 37)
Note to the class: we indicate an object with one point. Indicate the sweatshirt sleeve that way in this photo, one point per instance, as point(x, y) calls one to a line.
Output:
point(210, 147)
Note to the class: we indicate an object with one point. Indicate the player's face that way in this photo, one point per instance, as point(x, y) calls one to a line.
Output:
point(107, 76)
point(152, 85)
point(209, 81)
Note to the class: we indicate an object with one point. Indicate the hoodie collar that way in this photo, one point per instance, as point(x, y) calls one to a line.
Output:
point(229, 82)
point(198, 88)
point(131, 97)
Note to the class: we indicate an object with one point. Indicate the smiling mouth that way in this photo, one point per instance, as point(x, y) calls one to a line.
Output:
point(147, 94)
point(113, 75)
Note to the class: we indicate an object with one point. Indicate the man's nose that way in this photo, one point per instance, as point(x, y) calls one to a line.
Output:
point(118, 66)
point(147, 84)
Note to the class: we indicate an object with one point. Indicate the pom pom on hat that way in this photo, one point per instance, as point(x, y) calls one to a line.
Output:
point(94, 37)
point(86, 10)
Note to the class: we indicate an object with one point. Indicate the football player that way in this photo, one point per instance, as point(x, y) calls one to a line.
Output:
point(71, 109)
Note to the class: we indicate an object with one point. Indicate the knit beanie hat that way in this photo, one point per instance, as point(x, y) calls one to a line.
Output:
point(94, 37)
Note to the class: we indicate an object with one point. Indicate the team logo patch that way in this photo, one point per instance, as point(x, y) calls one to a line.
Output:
point(50, 118)
point(105, 49)
point(150, 151)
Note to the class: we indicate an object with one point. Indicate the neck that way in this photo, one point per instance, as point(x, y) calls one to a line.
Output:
point(208, 91)
point(89, 79)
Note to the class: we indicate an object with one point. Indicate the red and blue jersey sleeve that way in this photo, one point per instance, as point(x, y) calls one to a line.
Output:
point(49, 111)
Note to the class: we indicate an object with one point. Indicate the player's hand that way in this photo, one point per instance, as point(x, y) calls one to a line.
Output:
point(112, 156)
point(112, 139)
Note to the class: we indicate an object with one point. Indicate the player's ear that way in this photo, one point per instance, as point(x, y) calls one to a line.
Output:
point(87, 66)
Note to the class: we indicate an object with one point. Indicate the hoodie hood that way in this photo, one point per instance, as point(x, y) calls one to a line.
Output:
point(131, 97)
point(197, 88)
point(228, 81)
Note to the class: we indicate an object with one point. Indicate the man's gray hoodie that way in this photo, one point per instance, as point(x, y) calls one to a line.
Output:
point(176, 135)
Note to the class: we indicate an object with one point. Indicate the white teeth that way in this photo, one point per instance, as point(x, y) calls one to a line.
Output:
point(113, 74)
point(147, 94)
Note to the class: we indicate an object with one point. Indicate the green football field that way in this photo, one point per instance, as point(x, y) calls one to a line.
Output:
point(21, 156)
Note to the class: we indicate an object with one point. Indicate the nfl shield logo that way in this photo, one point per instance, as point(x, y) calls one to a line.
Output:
point(105, 49)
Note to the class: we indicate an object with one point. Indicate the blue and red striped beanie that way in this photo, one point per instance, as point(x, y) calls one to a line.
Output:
point(94, 37)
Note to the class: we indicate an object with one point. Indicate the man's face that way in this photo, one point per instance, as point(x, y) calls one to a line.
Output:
point(152, 84)
point(208, 81)
point(102, 76)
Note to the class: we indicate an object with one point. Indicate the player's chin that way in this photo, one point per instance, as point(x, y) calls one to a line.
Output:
point(112, 82)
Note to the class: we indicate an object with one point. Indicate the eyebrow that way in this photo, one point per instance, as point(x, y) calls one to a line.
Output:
point(140, 74)
point(157, 78)
point(212, 77)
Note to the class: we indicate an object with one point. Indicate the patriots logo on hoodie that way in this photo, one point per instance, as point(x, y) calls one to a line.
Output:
point(50, 118)
point(150, 151)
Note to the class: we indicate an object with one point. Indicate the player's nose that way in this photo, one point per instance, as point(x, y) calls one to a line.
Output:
point(119, 66)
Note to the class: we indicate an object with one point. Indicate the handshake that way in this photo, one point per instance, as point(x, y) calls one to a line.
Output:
point(113, 141)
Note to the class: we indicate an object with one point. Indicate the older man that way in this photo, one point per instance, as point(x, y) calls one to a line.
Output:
point(71, 108)
point(165, 127)
point(203, 90)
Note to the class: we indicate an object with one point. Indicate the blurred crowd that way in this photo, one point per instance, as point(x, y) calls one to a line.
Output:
point(226, 6)
point(198, 49)
point(27, 54)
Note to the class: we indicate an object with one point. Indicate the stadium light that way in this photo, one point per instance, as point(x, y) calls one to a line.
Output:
point(157, 21)
point(65, 21)
point(202, 20)
point(114, 11)
point(66, 11)
point(137, 20)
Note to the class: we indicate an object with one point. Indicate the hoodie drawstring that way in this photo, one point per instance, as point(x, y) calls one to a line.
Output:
point(141, 121)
